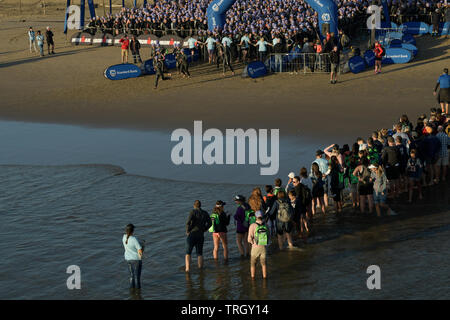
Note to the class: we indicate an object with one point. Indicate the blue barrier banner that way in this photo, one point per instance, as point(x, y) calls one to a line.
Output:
point(67, 16)
point(148, 67)
point(441, 30)
point(408, 38)
point(369, 58)
point(170, 61)
point(446, 28)
point(410, 47)
point(396, 43)
point(256, 69)
point(216, 13)
point(122, 71)
point(187, 52)
point(396, 55)
point(388, 25)
point(356, 64)
point(416, 28)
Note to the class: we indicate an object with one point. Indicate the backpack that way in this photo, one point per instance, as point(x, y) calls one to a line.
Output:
point(383, 51)
point(284, 212)
point(269, 204)
point(261, 235)
point(365, 176)
point(215, 221)
point(249, 218)
point(306, 194)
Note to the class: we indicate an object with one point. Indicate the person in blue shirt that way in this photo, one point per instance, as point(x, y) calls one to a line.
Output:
point(40, 42)
point(32, 39)
point(191, 45)
point(262, 48)
point(444, 90)
point(133, 256)
point(245, 40)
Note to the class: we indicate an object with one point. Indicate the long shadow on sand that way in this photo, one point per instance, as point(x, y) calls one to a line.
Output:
point(47, 56)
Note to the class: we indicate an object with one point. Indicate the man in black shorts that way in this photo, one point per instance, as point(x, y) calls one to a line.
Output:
point(334, 61)
point(390, 157)
point(197, 224)
point(49, 38)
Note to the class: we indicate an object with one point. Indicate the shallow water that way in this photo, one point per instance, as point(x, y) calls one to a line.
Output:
point(55, 215)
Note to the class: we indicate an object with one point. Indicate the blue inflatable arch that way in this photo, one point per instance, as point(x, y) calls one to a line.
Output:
point(326, 11)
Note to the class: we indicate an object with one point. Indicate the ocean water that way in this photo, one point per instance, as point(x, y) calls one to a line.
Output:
point(56, 216)
point(58, 210)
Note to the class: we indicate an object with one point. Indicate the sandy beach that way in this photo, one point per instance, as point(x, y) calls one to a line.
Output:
point(69, 87)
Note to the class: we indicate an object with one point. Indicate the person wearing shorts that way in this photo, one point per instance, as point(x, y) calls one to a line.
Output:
point(379, 182)
point(443, 84)
point(334, 61)
point(284, 229)
point(241, 228)
point(197, 224)
point(258, 251)
point(220, 230)
point(125, 45)
point(365, 186)
point(414, 170)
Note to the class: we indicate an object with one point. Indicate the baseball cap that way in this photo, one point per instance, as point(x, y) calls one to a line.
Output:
point(239, 198)
point(319, 152)
point(373, 166)
point(291, 175)
point(220, 203)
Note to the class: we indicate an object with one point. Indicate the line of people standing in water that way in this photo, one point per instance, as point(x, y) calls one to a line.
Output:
point(404, 159)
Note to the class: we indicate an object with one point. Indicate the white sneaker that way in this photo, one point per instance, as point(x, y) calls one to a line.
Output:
point(393, 213)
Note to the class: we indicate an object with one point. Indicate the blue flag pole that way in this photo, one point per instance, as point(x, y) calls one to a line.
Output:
point(91, 8)
point(82, 3)
point(110, 7)
point(67, 16)
point(123, 3)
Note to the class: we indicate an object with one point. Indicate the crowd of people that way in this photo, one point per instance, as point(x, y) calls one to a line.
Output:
point(365, 177)
point(426, 11)
point(292, 19)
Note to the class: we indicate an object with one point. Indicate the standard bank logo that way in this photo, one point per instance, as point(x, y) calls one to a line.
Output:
point(326, 17)
point(112, 73)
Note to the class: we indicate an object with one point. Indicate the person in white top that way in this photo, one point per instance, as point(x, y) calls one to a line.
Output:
point(32, 39)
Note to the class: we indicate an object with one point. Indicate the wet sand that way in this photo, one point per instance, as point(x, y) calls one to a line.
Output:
point(70, 88)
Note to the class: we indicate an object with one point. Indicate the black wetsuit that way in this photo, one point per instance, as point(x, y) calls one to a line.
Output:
point(158, 64)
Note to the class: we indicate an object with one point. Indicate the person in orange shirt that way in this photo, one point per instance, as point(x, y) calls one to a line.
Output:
point(125, 45)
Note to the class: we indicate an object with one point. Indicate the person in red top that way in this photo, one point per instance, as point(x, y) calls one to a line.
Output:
point(125, 44)
point(378, 50)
